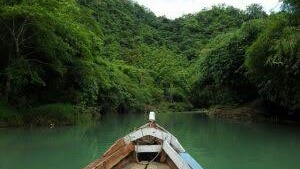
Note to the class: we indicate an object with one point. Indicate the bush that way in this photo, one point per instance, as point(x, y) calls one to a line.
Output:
point(8, 115)
point(55, 114)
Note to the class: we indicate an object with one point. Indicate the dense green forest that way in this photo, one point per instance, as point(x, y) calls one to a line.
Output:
point(71, 60)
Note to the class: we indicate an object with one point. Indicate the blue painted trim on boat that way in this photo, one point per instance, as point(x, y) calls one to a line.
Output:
point(190, 160)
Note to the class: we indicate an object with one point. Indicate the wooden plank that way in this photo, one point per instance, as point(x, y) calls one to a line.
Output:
point(94, 164)
point(135, 166)
point(158, 133)
point(155, 133)
point(124, 162)
point(109, 161)
point(174, 156)
point(116, 157)
point(116, 146)
point(148, 148)
point(133, 136)
point(155, 165)
point(148, 131)
point(171, 164)
point(175, 143)
point(172, 140)
point(163, 157)
point(152, 165)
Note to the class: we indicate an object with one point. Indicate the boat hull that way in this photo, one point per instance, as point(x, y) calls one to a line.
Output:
point(150, 146)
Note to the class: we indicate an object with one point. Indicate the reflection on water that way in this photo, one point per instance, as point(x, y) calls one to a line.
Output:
point(215, 144)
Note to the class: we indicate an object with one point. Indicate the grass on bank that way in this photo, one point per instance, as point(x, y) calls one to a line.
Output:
point(9, 115)
point(57, 114)
point(45, 115)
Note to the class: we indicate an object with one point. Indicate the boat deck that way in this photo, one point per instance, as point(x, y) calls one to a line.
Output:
point(152, 165)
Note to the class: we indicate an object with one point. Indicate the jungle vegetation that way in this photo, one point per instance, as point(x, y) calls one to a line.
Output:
point(71, 60)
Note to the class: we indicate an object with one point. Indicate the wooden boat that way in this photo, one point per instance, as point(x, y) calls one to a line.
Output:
point(148, 147)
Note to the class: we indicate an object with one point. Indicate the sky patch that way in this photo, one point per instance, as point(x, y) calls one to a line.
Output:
point(175, 8)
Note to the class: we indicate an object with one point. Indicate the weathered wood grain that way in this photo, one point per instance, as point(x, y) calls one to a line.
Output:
point(111, 160)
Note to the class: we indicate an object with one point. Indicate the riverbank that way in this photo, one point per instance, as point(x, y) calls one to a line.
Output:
point(255, 111)
point(48, 115)
point(59, 114)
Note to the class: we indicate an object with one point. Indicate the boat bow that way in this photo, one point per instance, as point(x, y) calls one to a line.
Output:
point(152, 142)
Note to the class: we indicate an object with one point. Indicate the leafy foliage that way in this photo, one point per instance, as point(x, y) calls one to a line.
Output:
point(51, 114)
point(193, 31)
point(293, 8)
point(116, 56)
point(33, 63)
point(222, 78)
point(273, 61)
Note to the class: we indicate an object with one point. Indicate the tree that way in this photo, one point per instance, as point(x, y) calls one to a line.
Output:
point(222, 77)
point(255, 11)
point(41, 46)
point(273, 62)
point(16, 35)
point(292, 7)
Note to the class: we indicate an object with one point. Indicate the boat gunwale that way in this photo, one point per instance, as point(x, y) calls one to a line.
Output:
point(169, 145)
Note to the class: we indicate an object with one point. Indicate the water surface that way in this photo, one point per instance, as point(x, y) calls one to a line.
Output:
point(214, 144)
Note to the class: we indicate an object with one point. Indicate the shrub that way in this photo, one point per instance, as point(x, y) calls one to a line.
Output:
point(55, 114)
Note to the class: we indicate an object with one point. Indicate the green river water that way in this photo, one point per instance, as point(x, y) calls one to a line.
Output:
point(214, 144)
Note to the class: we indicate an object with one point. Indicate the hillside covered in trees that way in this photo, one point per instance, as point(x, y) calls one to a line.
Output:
point(71, 60)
